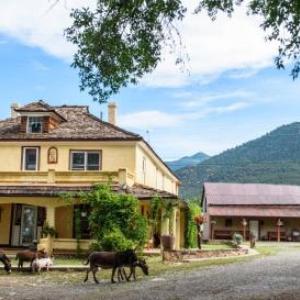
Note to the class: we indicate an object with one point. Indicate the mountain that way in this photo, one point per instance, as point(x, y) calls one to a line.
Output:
point(187, 161)
point(272, 158)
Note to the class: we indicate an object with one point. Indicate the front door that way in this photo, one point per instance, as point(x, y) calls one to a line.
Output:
point(254, 228)
point(28, 225)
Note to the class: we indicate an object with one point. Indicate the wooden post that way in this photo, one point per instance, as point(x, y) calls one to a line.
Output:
point(244, 223)
point(213, 222)
point(279, 224)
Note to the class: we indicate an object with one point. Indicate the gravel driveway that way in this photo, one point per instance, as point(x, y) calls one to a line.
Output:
point(272, 277)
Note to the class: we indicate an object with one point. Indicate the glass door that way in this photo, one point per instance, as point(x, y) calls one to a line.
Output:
point(28, 225)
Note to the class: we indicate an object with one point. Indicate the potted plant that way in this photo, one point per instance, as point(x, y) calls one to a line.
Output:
point(48, 231)
point(168, 242)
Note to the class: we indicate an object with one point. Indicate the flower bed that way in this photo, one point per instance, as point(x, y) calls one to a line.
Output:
point(186, 255)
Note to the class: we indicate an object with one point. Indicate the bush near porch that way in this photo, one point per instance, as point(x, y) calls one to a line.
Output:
point(115, 220)
point(193, 210)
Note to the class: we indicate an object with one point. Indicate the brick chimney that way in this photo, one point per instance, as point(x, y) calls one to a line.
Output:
point(112, 113)
point(13, 113)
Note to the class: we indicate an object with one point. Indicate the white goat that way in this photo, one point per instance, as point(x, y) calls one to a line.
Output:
point(42, 264)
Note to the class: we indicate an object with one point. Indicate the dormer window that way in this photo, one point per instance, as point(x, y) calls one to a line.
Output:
point(35, 125)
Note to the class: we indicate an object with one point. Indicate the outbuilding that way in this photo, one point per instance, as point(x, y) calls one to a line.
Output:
point(268, 211)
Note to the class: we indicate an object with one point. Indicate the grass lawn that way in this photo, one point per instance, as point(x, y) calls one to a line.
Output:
point(156, 266)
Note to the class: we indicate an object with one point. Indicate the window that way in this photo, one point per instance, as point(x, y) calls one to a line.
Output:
point(85, 160)
point(228, 222)
point(30, 158)
point(35, 125)
point(81, 218)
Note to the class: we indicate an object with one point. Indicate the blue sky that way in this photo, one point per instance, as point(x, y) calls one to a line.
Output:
point(233, 93)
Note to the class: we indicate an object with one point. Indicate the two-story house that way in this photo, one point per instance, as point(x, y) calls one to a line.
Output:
point(48, 150)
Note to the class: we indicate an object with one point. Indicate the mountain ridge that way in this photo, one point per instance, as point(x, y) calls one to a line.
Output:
point(187, 161)
point(271, 158)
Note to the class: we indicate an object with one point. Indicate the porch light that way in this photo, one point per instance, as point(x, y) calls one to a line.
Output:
point(83, 214)
point(279, 223)
point(244, 222)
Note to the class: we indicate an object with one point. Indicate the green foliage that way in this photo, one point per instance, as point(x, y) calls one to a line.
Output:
point(192, 211)
point(280, 21)
point(116, 240)
point(48, 230)
point(158, 206)
point(115, 219)
point(273, 158)
point(237, 239)
point(120, 41)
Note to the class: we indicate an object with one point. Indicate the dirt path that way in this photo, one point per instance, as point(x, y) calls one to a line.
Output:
point(273, 277)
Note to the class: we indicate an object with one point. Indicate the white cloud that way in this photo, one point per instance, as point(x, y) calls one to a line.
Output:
point(213, 47)
point(199, 100)
point(39, 23)
point(146, 120)
point(149, 119)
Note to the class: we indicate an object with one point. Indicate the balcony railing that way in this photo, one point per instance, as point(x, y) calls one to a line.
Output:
point(50, 177)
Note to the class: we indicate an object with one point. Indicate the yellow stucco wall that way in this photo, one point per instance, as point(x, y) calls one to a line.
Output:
point(64, 222)
point(134, 156)
point(114, 155)
point(151, 172)
point(5, 223)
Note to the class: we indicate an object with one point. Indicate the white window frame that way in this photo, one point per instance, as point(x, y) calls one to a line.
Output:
point(85, 152)
point(29, 127)
point(37, 149)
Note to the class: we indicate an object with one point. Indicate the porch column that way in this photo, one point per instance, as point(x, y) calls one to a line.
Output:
point(47, 242)
point(173, 227)
point(50, 216)
point(165, 224)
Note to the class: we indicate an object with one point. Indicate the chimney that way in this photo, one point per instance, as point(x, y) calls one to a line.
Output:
point(112, 113)
point(13, 113)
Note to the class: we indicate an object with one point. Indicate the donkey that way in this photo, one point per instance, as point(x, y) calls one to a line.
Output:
point(109, 260)
point(141, 263)
point(6, 262)
point(29, 256)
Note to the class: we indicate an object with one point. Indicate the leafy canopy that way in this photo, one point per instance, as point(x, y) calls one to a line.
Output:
point(122, 40)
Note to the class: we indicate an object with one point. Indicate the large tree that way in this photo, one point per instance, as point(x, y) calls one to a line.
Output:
point(121, 40)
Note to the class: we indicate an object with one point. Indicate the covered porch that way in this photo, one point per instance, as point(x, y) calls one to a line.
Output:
point(265, 222)
point(22, 220)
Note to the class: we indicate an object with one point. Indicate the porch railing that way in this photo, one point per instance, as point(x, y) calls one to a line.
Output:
point(50, 177)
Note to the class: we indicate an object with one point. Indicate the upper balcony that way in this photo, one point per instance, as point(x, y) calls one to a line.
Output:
point(52, 177)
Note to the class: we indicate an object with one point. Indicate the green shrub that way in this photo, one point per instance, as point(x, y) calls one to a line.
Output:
point(192, 211)
point(115, 220)
point(237, 239)
point(116, 241)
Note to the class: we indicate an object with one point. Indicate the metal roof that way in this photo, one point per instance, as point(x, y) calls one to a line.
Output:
point(255, 211)
point(251, 194)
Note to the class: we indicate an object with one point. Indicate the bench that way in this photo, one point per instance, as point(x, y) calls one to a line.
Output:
point(273, 235)
point(227, 234)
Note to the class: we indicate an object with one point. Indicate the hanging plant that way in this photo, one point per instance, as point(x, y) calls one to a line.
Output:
point(48, 231)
